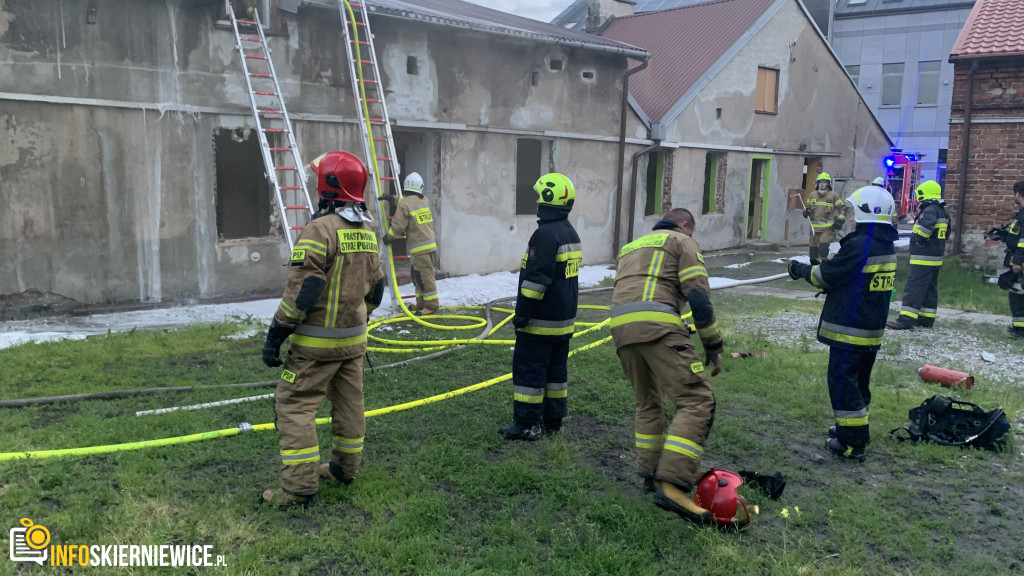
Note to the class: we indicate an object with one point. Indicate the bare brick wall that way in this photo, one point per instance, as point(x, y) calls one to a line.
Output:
point(996, 151)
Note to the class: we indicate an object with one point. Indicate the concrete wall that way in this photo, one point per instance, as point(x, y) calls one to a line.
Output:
point(820, 113)
point(871, 41)
point(107, 174)
point(995, 155)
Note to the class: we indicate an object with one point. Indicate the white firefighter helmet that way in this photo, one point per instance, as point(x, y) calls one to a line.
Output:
point(413, 183)
point(872, 205)
point(880, 182)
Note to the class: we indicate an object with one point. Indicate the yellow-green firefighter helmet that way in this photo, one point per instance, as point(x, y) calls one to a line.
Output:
point(928, 190)
point(555, 189)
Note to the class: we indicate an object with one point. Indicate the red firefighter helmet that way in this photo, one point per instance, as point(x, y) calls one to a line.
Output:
point(716, 492)
point(341, 176)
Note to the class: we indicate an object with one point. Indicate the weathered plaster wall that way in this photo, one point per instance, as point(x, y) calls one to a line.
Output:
point(819, 111)
point(113, 190)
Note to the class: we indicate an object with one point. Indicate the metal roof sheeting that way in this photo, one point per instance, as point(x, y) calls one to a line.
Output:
point(860, 8)
point(685, 44)
point(994, 28)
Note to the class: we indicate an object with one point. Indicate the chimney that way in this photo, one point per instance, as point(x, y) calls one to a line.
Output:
point(600, 11)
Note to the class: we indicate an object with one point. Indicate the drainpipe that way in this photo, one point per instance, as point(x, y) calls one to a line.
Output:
point(617, 207)
point(632, 188)
point(965, 149)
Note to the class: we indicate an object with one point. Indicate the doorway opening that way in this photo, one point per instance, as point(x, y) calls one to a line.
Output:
point(757, 199)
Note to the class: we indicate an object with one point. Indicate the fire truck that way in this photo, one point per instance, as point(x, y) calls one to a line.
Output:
point(902, 176)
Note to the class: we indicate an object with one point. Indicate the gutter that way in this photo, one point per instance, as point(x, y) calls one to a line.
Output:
point(619, 173)
point(497, 30)
point(958, 246)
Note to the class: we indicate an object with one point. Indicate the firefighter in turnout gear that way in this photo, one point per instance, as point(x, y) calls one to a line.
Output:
point(334, 282)
point(545, 314)
point(1015, 260)
point(414, 220)
point(657, 275)
point(858, 281)
point(825, 209)
point(927, 246)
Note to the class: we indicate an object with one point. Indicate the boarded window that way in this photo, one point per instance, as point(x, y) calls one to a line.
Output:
point(928, 83)
point(714, 183)
point(655, 182)
point(531, 161)
point(243, 194)
point(767, 98)
point(892, 84)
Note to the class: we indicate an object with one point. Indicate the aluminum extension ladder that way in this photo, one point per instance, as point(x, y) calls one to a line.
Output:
point(272, 121)
point(374, 123)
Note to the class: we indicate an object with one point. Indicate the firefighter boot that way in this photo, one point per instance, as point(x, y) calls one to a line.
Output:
point(812, 252)
point(425, 312)
point(841, 450)
point(519, 432)
point(552, 424)
point(649, 485)
point(833, 432)
point(668, 496)
point(898, 324)
point(332, 473)
point(283, 499)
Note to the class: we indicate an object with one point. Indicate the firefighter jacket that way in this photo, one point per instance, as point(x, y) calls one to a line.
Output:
point(655, 278)
point(928, 238)
point(549, 277)
point(859, 282)
point(414, 221)
point(1015, 240)
point(825, 209)
point(332, 273)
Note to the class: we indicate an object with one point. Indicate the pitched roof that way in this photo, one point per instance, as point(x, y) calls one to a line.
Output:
point(994, 28)
point(459, 14)
point(688, 46)
point(861, 8)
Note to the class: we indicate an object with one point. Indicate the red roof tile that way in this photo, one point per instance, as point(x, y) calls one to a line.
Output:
point(994, 28)
point(684, 43)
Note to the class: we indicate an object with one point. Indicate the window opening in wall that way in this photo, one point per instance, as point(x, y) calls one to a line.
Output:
point(718, 113)
point(854, 72)
point(555, 64)
point(655, 182)
point(714, 183)
point(243, 11)
point(892, 84)
point(767, 97)
point(533, 78)
point(940, 173)
point(532, 159)
point(243, 194)
point(587, 74)
point(928, 83)
point(412, 66)
point(812, 167)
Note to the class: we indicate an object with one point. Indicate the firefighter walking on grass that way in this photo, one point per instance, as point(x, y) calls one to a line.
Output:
point(927, 246)
point(545, 314)
point(825, 210)
point(414, 221)
point(334, 282)
point(657, 275)
point(858, 281)
point(1014, 238)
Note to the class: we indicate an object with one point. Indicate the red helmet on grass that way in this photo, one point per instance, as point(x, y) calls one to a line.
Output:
point(341, 177)
point(716, 492)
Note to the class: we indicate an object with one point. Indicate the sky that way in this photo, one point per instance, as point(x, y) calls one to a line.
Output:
point(543, 10)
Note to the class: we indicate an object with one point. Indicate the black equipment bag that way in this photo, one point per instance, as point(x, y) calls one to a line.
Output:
point(950, 422)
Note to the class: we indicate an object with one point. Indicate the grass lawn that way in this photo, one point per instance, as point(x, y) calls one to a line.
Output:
point(440, 493)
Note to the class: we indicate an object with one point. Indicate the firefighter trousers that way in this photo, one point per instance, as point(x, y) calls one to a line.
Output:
point(540, 380)
point(301, 390)
point(1017, 307)
point(849, 379)
point(920, 296)
point(669, 367)
point(821, 240)
point(423, 281)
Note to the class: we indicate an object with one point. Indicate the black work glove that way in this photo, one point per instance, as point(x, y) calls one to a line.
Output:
point(276, 336)
point(793, 269)
point(807, 212)
point(714, 359)
point(838, 225)
point(387, 239)
point(771, 485)
point(388, 197)
point(520, 321)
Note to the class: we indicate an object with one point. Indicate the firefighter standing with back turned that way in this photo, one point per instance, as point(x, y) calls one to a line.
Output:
point(334, 282)
point(414, 220)
point(927, 246)
point(545, 314)
point(657, 275)
point(825, 210)
point(859, 281)
point(1015, 261)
